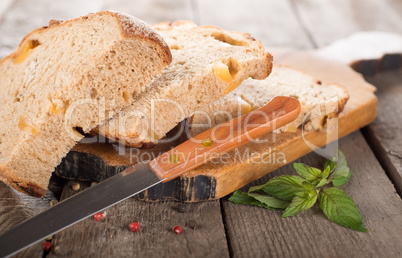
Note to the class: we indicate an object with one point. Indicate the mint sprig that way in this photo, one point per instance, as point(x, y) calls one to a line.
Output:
point(295, 194)
point(340, 170)
point(309, 173)
point(283, 187)
point(261, 200)
point(302, 201)
point(340, 208)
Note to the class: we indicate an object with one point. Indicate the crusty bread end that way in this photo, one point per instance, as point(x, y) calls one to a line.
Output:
point(65, 78)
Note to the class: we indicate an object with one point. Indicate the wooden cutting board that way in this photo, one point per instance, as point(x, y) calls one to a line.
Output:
point(96, 162)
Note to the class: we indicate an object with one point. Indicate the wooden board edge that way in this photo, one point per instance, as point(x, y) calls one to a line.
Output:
point(255, 170)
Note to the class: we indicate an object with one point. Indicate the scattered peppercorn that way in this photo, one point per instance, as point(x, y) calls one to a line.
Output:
point(182, 208)
point(98, 216)
point(192, 224)
point(47, 246)
point(76, 186)
point(134, 226)
point(176, 229)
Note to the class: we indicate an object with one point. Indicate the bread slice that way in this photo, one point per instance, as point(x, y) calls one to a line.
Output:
point(65, 77)
point(208, 62)
point(319, 102)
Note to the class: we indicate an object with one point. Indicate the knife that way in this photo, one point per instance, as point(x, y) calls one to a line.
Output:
point(135, 179)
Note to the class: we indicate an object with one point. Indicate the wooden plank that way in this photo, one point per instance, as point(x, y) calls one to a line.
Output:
point(155, 238)
point(328, 20)
point(270, 21)
point(16, 207)
point(151, 212)
point(257, 232)
point(4, 6)
point(26, 15)
point(385, 133)
point(382, 52)
point(154, 11)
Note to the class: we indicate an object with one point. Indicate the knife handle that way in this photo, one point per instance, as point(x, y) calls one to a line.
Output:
point(225, 137)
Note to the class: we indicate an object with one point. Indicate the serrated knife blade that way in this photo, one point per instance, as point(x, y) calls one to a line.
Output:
point(78, 207)
point(183, 158)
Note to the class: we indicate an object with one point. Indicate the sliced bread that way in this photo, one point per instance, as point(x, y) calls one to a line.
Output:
point(318, 102)
point(208, 62)
point(65, 77)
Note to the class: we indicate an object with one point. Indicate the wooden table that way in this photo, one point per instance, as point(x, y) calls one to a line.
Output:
point(224, 229)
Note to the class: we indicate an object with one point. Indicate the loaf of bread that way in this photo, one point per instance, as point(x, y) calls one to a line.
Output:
point(319, 102)
point(208, 62)
point(64, 80)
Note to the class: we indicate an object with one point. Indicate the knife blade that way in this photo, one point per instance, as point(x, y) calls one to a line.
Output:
point(137, 178)
point(77, 208)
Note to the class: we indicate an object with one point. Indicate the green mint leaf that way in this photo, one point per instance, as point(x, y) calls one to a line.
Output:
point(324, 176)
point(239, 197)
point(341, 161)
point(361, 227)
point(301, 203)
point(308, 187)
point(256, 188)
point(260, 200)
point(341, 174)
point(341, 180)
point(321, 182)
point(330, 164)
point(309, 173)
point(284, 187)
point(326, 172)
point(270, 202)
point(341, 209)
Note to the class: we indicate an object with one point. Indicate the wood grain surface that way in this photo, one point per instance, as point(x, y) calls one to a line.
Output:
point(329, 20)
point(112, 236)
point(250, 231)
point(264, 20)
point(22, 16)
point(385, 133)
point(257, 232)
point(16, 207)
point(154, 11)
point(4, 6)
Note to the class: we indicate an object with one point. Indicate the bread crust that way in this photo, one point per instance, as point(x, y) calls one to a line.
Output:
point(29, 188)
point(268, 57)
point(130, 28)
point(254, 60)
